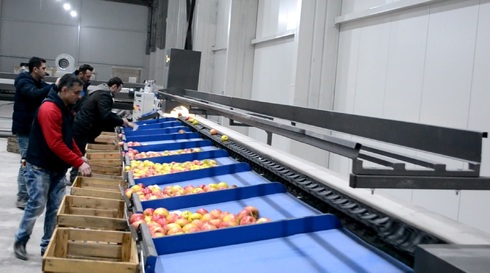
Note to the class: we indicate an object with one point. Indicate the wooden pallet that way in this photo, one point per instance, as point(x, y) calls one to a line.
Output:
point(95, 251)
point(91, 212)
point(98, 187)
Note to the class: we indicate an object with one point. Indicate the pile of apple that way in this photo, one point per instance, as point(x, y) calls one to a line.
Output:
point(134, 154)
point(135, 143)
point(161, 222)
point(146, 168)
point(153, 192)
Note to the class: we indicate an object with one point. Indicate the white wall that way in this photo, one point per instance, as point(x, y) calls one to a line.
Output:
point(104, 34)
point(428, 64)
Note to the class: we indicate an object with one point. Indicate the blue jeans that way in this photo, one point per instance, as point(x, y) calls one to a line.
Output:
point(46, 190)
point(22, 195)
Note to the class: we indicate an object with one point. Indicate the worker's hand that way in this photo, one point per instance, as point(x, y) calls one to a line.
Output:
point(85, 170)
point(57, 81)
point(85, 159)
point(131, 124)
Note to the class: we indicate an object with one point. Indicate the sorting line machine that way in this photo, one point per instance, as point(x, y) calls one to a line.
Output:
point(317, 224)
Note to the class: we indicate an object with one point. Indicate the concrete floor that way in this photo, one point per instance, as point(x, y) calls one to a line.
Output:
point(10, 215)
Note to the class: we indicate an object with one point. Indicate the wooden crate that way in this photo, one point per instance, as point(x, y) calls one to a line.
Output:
point(111, 162)
point(103, 155)
point(91, 212)
point(106, 170)
point(106, 139)
point(107, 176)
point(98, 187)
point(101, 147)
point(95, 251)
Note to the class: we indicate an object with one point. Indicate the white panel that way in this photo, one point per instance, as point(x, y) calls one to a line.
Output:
point(272, 72)
point(449, 64)
point(46, 41)
point(107, 14)
point(276, 16)
point(371, 74)
point(120, 47)
point(405, 70)
point(474, 205)
point(444, 202)
point(223, 23)
point(219, 72)
point(349, 6)
point(45, 11)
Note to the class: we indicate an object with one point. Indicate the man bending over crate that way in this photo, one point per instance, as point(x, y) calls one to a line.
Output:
point(51, 151)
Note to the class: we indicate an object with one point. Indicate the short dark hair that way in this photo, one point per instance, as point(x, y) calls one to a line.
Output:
point(116, 80)
point(35, 62)
point(69, 80)
point(84, 68)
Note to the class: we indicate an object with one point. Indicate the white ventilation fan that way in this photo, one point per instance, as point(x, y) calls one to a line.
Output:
point(65, 64)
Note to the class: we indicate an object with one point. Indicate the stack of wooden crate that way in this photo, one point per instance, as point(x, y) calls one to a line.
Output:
point(92, 230)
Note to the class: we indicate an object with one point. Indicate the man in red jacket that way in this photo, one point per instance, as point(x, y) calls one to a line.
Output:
point(51, 151)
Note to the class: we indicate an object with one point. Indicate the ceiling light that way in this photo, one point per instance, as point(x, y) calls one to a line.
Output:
point(73, 13)
point(67, 6)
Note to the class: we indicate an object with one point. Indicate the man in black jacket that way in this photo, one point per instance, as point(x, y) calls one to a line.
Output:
point(84, 73)
point(30, 91)
point(96, 115)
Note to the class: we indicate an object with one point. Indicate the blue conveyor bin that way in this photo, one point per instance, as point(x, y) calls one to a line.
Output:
point(162, 139)
point(156, 131)
point(309, 244)
point(156, 120)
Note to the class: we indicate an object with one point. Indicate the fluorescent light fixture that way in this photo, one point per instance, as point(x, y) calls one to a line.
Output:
point(67, 6)
point(73, 13)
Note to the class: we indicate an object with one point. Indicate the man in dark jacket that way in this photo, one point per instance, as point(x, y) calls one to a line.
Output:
point(84, 73)
point(30, 90)
point(51, 151)
point(96, 115)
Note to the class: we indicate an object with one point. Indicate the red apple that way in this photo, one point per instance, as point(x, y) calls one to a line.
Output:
point(136, 224)
point(148, 211)
point(213, 131)
point(253, 211)
point(202, 211)
point(135, 217)
point(247, 220)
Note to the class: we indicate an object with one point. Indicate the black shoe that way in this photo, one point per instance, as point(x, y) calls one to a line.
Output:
point(20, 250)
point(42, 252)
point(21, 204)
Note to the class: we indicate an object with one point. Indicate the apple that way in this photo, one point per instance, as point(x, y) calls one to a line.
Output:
point(190, 228)
point(224, 138)
point(253, 211)
point(148, 211)
point(181, 131)
point(135, 217)
point(215, 213)
point(208, 226)
point(215, 222)
point(136, 224)
point(181, 222)
point(226, 224)
point(263, 220)
point(174, 230)
point(247, 220)
point(158, 235)
point(213, 131)
point(161, 211)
